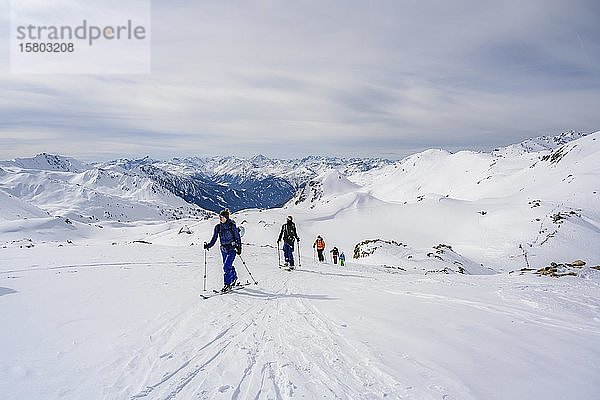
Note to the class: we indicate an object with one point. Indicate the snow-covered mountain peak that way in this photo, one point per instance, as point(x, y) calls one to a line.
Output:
point(575, 151)
point(259, 158)
point(335, 182)
point(93, 194)
point(425, 157)
point(47, 162)
point(330, 184)
point(540, 143)
point(127, 164)
point(551, 142)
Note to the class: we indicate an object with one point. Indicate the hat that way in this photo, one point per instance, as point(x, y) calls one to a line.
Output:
point(224, 213)
point(289, 217)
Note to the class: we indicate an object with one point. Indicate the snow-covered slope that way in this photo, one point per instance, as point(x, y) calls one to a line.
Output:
point(494, 209)
point(116, 313)
point(13, 208)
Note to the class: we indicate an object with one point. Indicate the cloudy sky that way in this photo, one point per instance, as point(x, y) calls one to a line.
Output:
point(332, 77)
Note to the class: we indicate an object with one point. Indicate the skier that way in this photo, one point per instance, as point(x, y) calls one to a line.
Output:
point(231, 244)
point(342, 259)
point(335, 252)
point(320, 245)
point(288, 233)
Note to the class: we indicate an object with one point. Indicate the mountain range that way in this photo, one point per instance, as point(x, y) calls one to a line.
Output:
point(147, 189)
point(128, 190)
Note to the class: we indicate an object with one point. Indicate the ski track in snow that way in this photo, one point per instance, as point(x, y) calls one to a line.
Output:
point(508, 311)
point(306, 333)
point(34, 268)
point(271, 356)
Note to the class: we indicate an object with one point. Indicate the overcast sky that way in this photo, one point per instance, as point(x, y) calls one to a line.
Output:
point(345, 78)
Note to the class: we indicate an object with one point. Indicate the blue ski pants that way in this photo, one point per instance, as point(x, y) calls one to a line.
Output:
point(288, 253)
point(229, 271)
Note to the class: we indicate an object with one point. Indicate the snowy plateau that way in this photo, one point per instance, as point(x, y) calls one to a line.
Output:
point(468, 275)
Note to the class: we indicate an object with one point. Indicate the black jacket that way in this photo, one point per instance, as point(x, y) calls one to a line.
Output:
point(288, 232)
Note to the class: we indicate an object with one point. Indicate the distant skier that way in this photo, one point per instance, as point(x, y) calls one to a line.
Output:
point(231, 244)
point(342, 259)
point(289, 234)
point(335, 253)
point(319, 244)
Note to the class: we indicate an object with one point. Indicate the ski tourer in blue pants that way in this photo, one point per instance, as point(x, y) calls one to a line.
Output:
point(288, 253)
point(231, 244)
point(289, 235)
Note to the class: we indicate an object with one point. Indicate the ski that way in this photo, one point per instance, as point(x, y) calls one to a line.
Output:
point(283, 267)
point(218, 292)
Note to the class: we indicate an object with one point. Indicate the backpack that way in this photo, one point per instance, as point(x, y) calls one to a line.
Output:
point(240, 229)
point(289, 232)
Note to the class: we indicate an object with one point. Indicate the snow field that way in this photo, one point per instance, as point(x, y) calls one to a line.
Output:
point(126, 321)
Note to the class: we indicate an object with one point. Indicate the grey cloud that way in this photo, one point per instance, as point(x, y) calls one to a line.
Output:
point(379, 77)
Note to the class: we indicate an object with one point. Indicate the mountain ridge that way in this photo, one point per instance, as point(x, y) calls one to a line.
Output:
point(213, 183)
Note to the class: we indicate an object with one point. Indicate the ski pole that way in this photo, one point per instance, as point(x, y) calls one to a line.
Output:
point(299, 259)
point(278, 255)
point(205, 251)
point(243, 262)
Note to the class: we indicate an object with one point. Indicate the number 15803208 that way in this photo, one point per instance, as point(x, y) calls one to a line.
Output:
point(47, 47)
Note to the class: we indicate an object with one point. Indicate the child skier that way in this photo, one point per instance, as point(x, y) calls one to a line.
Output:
point(231, 244)
point(342, 259)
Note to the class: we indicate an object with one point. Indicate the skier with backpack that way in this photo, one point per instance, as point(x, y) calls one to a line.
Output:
point(320, 246)
point(335, 253)
point(231, 244)
point(288, 234)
